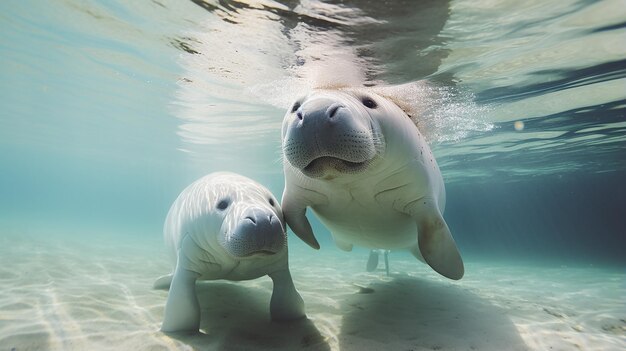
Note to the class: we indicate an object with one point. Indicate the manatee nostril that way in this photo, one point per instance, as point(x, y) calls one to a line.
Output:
point(251, 219)
point(299, 114)
point(332, 111)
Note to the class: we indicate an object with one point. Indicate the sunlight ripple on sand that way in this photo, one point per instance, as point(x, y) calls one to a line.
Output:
point(77, 295)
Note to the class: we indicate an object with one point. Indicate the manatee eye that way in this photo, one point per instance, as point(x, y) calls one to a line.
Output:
point(271, 201)
point(368, 102)
point(223, 204)
point(295, 107)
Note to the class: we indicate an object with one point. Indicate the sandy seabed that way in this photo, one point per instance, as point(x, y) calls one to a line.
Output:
point(77, 294)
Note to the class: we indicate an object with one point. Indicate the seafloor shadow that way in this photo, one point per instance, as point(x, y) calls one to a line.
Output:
point(416, 314)
point(237, 318)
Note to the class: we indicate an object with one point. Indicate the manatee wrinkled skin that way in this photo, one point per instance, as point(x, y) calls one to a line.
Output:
point(225, 226)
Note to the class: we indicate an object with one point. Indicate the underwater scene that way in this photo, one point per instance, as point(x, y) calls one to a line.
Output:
point(312, 175)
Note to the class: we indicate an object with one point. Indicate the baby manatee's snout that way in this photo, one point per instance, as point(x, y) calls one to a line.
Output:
point(258, 232)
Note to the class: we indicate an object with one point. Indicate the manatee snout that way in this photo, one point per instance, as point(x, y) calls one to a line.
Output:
point(258, 232)
point(325, 134)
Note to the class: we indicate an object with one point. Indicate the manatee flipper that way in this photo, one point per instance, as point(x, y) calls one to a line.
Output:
point(182, 310)
point(343, 245)
point(286, 303)
point(435, 241)
point(415, 251)
point(372, 261)
point(163, 282)
point(386, 254)
point(295, 216)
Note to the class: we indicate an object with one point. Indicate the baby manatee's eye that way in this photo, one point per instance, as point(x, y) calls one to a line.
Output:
point(271, 201)
point(368, 102)
point(295, 107)
point(223, 204)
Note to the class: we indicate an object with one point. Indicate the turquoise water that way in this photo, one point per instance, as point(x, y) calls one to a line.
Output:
point(109, 109)
point(106, 118)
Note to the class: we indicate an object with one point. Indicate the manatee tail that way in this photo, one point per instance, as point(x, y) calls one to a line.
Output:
point(163, 282)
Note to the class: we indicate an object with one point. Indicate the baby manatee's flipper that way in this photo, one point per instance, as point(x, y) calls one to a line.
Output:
point(182, 310)
point(386, 261)
point(372, 261)
point(286, 303)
